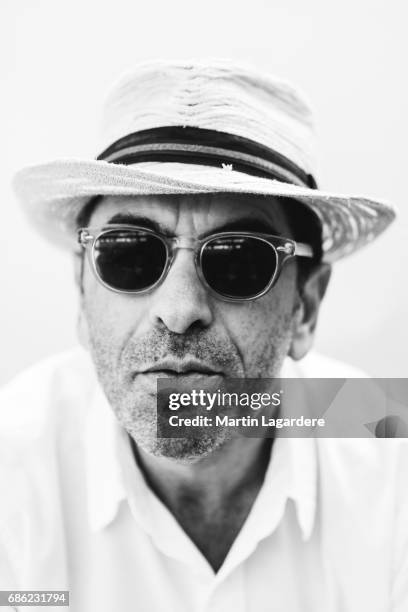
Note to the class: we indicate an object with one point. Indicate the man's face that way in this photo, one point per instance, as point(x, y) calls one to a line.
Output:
point(180, 322)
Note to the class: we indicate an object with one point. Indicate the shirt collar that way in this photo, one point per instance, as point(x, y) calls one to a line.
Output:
point(291, 474)
point(303, 463)
point(104, 480)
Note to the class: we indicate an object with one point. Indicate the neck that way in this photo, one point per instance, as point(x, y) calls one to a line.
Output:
point(239, 462)
point(211, 497)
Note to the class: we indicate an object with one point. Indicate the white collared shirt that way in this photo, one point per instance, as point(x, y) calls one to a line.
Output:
point(328, 531)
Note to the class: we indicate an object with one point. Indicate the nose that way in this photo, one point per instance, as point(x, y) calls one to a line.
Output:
point(181, 302)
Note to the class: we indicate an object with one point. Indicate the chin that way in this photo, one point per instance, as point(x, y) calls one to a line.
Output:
point(137, 415)
point(183, 450)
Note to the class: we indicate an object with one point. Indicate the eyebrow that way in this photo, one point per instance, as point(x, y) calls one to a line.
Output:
point(139, 220)
point(244, 224)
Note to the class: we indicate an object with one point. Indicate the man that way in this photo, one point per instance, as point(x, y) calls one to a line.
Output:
point(203, 254)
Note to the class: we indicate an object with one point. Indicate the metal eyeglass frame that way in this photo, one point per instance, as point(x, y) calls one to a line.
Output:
point(284, 248)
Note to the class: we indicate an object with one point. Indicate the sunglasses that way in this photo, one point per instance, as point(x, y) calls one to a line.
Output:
point(234, 266)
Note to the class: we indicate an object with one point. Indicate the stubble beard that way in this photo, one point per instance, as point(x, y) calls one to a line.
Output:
point(136, 410)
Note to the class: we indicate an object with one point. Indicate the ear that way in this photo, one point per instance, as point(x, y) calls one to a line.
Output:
point(82, 329)
point(79, 270)
point(307, 312)
point(82, 325)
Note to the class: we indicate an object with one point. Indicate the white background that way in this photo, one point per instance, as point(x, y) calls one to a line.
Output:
point(350, 57)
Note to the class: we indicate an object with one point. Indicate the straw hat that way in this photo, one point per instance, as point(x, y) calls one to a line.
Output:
point(172, 127)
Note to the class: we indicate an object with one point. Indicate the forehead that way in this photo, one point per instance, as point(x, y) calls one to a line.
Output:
point(195, 212)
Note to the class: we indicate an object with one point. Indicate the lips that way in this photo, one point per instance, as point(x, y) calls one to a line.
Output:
point(175, 368)
point(187, 372)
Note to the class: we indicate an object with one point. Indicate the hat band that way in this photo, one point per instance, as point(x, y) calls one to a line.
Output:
point(206, 147)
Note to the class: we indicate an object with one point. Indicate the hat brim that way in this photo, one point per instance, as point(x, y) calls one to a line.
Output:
point(53, 194)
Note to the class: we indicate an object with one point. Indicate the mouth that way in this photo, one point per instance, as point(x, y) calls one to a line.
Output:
point(187, 371)
point(172, 367)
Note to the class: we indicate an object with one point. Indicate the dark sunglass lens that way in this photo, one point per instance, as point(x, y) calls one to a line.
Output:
point(238, 266)
point(129, 260)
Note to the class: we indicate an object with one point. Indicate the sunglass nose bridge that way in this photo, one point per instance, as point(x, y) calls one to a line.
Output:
point(185, 242)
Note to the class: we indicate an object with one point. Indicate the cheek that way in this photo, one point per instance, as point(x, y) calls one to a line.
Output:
point(110, 317)
point(262, 330)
